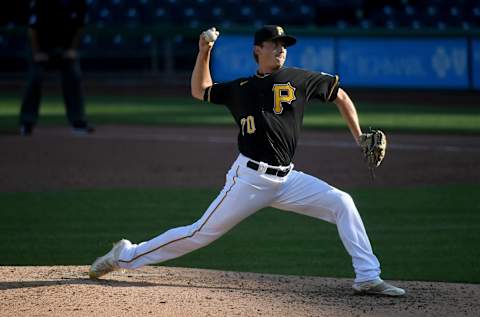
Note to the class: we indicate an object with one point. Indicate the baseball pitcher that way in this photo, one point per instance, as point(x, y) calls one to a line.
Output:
point(268, 109)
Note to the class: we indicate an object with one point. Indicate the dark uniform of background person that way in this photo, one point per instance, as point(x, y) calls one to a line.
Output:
point(54, 31)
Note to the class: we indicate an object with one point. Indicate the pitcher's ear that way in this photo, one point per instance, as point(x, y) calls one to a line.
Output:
point(255, 51)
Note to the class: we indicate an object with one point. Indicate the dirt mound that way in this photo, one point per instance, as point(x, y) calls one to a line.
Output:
point(165, 291)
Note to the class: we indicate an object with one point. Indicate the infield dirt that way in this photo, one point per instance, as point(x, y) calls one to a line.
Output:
point(128, 157)
point(162, 291)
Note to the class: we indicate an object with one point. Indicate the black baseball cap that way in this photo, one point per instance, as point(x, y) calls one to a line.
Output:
point(271, 33)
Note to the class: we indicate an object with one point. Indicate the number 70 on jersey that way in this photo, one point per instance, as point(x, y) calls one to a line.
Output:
point(248, 125)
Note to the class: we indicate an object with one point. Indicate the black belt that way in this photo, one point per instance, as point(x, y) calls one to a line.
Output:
point(270, 170)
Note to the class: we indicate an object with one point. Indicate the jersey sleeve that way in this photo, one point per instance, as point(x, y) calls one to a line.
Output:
point(218, 93)
point(321, 86)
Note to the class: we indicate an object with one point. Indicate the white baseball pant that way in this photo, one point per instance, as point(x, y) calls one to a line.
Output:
point(247, 191)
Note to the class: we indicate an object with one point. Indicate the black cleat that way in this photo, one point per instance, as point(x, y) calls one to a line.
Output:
point(26, 129)
point(82, 128)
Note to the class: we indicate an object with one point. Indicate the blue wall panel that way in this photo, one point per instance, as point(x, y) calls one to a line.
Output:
point(232, 56)
point(317, 54)
point(421, 63)
point(363, 62)
point(476, 63)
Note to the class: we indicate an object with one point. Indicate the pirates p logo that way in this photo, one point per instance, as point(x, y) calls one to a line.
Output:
point(280, 30)
point(282, 93)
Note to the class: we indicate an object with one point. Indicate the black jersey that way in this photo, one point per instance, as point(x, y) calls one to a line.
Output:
point(268, 109)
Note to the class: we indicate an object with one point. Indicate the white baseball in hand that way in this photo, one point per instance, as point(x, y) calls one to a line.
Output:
point(210, 35)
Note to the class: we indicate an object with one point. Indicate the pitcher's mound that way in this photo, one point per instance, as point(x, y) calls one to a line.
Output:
point(165, 291)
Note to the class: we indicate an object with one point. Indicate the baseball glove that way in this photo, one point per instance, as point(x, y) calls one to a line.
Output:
point(373, 145)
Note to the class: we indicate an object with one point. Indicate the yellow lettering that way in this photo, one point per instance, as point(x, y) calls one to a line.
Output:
point(249, 122)
point(282, 93)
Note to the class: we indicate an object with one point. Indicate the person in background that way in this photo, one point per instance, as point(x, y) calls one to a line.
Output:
point(55, 28)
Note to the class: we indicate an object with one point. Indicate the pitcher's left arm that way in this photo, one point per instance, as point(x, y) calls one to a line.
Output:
point(349, 113)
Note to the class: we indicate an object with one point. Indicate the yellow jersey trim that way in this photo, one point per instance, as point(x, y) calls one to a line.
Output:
point(335, 84)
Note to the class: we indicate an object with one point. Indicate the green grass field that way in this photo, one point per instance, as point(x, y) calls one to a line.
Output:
point(186, 111)
point(433, 235)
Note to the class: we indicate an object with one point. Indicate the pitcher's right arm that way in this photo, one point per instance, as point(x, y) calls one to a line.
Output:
point(201, 78)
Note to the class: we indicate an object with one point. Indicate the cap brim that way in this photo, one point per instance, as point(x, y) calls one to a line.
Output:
point(287, 39)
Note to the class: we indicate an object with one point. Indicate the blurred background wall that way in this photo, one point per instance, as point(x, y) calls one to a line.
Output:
point(375, 46)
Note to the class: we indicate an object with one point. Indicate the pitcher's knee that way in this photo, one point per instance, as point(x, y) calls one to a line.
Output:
point(205, 238)
point(345, 202)
point(202, 236)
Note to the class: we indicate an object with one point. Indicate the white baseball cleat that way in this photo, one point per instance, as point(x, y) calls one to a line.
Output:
point(377, 287)
point(109, 262)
